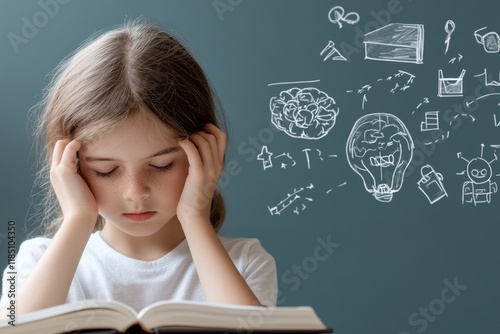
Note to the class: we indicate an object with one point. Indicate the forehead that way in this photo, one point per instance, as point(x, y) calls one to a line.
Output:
point(141, 131)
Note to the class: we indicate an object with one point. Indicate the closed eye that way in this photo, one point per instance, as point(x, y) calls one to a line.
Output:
point(108, 174)
point(163, 168)
point(157, 168)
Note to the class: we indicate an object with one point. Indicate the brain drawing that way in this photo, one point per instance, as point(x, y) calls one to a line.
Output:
point(306, 113)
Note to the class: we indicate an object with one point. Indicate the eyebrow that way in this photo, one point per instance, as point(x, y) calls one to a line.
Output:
point(165, 151)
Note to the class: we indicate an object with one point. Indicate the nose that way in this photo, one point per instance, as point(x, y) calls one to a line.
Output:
point(136, 188)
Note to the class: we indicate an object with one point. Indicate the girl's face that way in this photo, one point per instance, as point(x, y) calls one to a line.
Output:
point(136, 172)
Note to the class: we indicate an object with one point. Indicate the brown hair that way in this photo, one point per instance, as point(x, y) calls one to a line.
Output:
point(137, 66)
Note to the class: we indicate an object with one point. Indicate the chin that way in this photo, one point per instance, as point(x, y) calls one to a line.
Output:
point(141, 231)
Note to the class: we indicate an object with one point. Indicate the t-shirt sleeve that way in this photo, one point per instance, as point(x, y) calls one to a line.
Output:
point(26, 259)
point(260, 273)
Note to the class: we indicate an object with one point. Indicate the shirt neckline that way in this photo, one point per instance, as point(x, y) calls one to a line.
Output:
point(181, 251)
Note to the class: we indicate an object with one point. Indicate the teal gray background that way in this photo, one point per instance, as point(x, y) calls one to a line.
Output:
point(367, 267)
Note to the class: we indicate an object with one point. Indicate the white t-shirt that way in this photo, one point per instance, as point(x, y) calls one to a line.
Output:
point(105, 274)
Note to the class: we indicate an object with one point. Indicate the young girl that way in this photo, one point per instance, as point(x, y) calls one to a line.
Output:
point(134, 156)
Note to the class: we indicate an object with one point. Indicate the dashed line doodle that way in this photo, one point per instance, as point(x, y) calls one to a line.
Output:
point(306, 113)
point(425, 100)
point(402, 81)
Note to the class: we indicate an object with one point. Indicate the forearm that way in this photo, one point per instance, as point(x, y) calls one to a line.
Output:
point(220, 279)
point(48, 285)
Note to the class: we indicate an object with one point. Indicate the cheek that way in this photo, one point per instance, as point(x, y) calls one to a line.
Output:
point(102, 189)
point(173, 181)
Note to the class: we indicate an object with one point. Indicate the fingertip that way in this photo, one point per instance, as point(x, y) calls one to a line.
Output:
point(182, 141)
point(75, 143)
point(186, 143)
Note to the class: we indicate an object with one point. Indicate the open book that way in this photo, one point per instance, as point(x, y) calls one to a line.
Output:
point(167, 316)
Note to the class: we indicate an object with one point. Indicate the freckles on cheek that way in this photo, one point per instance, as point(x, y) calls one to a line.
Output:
point(103, 191)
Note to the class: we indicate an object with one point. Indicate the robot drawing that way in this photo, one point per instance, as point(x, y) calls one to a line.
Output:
point(479, 188)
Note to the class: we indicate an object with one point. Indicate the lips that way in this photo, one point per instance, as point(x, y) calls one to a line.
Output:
point(140, 216)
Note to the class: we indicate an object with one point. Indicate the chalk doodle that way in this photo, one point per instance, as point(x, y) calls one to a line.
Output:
point(425, 100)
point(449, 28)
point(490, 40)
point(438, 140)
point(337, 15)
point(431, 184)
point(286, 155)
point(454, 59)
point(396, 42)
point(334, 53)
point(285, 159)
point(291, 198)
point(265, 157)
point(379, 149)
point(479, 187)
point(431, 121)
point(306, 151)
point(292, 82)
point(450, 87)
point(306, 113)
point(338, 186)
point(469, 103)
point(486, 82)
point(402, 81)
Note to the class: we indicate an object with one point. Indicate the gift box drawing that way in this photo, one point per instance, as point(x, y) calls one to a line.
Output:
point(397, 42)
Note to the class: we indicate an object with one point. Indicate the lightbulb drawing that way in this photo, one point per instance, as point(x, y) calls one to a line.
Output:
point(379, 149)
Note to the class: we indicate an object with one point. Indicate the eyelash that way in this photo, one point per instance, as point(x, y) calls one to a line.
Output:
point(157, 168)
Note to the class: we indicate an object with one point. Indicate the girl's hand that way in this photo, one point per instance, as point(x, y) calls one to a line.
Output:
point(73, 193)
point(205, 152)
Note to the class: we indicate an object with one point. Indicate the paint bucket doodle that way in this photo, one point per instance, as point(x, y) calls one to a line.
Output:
point(431, 184)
